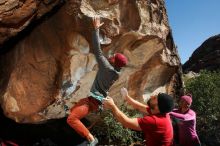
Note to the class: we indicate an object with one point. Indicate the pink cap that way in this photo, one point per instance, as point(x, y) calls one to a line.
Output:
point(187, 98)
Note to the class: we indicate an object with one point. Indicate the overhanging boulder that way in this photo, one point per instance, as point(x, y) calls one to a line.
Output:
point(53, 66)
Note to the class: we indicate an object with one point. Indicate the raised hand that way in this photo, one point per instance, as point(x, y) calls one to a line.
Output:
point(96, 22)
point(124, 93)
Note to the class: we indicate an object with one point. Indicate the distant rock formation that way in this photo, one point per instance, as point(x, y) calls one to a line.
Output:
point(50, 65)
point(207, 56)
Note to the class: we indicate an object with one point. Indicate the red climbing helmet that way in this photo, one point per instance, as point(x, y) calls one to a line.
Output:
point(120, 60)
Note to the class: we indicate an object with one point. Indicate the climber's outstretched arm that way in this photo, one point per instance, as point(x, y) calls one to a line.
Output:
point(101, 59)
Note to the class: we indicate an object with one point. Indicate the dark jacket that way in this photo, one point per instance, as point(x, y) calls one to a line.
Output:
point(106, 74)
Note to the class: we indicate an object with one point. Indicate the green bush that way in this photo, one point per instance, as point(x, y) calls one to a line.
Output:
point(112, 132)
point(205, 89)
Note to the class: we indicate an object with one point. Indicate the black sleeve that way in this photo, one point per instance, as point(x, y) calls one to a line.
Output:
point(101, 59)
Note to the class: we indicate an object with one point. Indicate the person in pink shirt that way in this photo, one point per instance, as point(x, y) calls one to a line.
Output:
point(186, 122)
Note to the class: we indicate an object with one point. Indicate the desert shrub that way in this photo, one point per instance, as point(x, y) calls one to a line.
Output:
point(205, 89)
point(112, 132)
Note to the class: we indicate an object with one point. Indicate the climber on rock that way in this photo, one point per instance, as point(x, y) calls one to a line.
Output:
point(108, 73)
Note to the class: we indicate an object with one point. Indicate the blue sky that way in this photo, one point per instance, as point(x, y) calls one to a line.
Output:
point(192, 22)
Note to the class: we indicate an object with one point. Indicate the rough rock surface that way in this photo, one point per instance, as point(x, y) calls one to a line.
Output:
point(207, 56)
point(52, 65)
point(16, 15)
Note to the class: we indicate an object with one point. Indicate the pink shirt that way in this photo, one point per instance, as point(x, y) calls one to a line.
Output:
point(186, 127)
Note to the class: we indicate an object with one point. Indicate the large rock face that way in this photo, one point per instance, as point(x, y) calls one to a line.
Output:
point(15, 15)
point(207, 56)
point(52, 65)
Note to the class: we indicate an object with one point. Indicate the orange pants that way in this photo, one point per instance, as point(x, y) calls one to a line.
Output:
point(79, 111)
